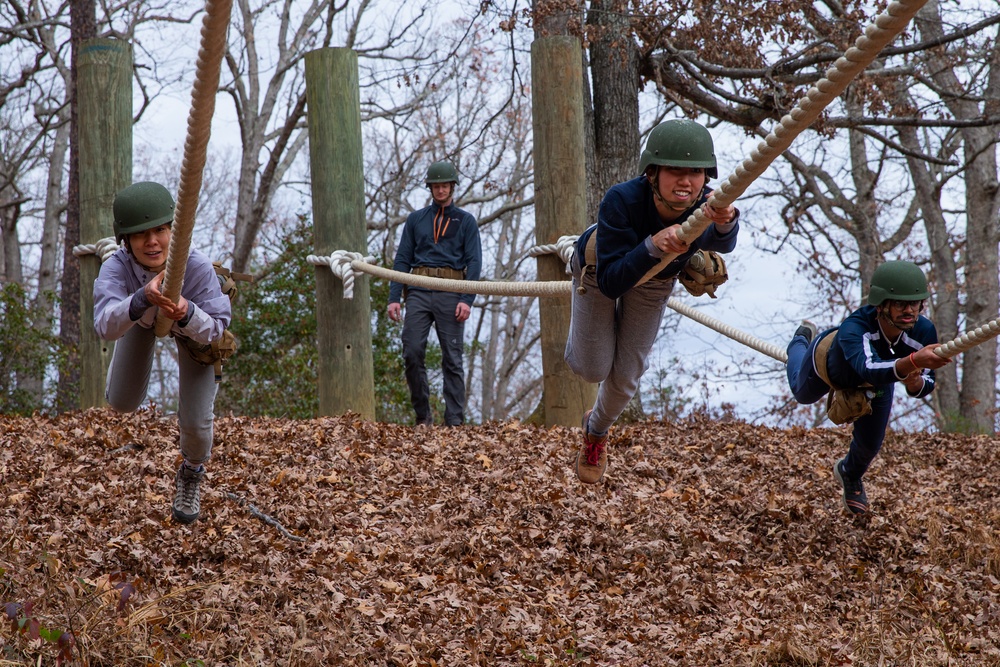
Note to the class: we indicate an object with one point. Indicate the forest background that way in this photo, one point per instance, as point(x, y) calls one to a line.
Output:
point(902, 165)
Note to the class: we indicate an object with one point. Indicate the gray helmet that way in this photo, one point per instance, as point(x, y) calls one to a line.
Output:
point(903, 281)
point(141, 206)
point(680, 143)
point(442, 172)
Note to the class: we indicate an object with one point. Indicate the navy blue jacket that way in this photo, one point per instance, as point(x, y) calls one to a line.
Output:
point(439, 238)
point(861, 354)
point(627, 217)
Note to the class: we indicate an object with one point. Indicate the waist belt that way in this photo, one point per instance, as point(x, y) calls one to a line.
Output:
point(438, 272)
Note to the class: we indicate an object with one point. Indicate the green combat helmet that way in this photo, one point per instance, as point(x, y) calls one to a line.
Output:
point(141, 206)
point(903, 281)
point(442, 172)
point(680, 143)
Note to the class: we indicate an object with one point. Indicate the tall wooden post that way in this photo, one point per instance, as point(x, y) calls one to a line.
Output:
point(560, 208)
point(346, 374)
point(104, 99)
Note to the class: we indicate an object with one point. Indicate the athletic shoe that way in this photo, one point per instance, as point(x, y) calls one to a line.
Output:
point(807, 330)
point(187, 501)
point(855, 499)
point(592, 460)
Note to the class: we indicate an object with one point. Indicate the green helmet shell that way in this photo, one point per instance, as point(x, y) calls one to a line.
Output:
point(680, 143)
point(442, 172)
point(903, 281)
point(141, 206)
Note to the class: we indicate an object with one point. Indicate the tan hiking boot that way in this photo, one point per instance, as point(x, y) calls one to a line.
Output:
point(592, 460)
point(187, 501)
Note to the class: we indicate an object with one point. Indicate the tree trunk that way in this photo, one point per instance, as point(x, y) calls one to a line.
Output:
point(977, 410)
point(83, 25)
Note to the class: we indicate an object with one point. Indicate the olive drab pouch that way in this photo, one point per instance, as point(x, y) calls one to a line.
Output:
point(843, 405)
point(704, 271)
point(846, 406)
point(218, 352)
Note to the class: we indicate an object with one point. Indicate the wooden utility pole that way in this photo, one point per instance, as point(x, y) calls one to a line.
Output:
point(344, 338)
point(560, 208)
point(104, 91)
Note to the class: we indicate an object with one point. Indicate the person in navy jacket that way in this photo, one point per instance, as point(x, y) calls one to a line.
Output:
point(439, 241)
point(616, 313)
point(882, 343)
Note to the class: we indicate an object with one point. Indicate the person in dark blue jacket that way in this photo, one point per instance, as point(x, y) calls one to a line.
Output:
point(616, 310)
point(884, 342)
point(441, 241)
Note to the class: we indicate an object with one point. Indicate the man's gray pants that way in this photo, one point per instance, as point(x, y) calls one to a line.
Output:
point(128, 382)
point(610, 340)
point(424, 308)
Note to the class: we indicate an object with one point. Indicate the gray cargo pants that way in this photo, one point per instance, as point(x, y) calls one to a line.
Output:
point(610, 340)
point(128, 381)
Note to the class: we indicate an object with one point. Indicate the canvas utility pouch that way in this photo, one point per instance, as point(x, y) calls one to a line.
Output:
point(843, 406)
point(703, 273)
point(214, 354)
point(846, 406)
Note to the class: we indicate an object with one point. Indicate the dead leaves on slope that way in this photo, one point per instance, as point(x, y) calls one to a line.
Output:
point(708, 544)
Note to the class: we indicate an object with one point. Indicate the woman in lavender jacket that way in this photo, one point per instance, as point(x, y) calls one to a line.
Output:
point(127, 298)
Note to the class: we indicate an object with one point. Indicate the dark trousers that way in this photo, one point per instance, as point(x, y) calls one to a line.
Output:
point(424, 308)
point(808, 387)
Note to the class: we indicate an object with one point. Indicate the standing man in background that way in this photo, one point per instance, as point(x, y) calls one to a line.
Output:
point(440, 241)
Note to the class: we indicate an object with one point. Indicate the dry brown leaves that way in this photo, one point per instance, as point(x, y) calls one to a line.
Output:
point(707, 544)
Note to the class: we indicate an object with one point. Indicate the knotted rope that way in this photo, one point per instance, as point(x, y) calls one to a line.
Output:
point(565, 246)
point(969, 339)
point(104, 248)
point(883, 30)
point(206, 83)
point(488, 287)
point(340, 263)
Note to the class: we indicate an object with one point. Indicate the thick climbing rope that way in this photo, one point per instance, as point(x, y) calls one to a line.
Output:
point(488, 287)
point(969, 339)
point(351, 264)
point(206, 83)
point(340, 260)
point(565, 247)
point(340, 263)
point(104, 248)
point(883, 30)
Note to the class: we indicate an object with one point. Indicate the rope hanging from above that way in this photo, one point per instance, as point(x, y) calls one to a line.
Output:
point(206, 84)
point(883, 30)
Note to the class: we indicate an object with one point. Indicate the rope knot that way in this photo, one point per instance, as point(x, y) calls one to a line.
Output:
point(340, 262)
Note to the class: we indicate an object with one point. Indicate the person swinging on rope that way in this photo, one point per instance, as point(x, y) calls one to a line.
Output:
point(440, 241)
point(127, 298)
point(616, 313)
point(857, 365)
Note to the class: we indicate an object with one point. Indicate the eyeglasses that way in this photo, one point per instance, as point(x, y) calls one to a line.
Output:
point(906, 305)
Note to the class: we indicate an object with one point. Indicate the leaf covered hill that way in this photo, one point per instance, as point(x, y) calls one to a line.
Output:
point(341, 541)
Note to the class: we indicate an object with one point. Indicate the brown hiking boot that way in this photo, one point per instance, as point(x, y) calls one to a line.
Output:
point(592, 460)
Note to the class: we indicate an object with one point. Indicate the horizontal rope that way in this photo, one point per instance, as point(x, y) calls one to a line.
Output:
point(104, 248)
point(339, 262)
point(486, 287)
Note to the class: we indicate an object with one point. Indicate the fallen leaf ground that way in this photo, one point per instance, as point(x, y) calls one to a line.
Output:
point(341, 541)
